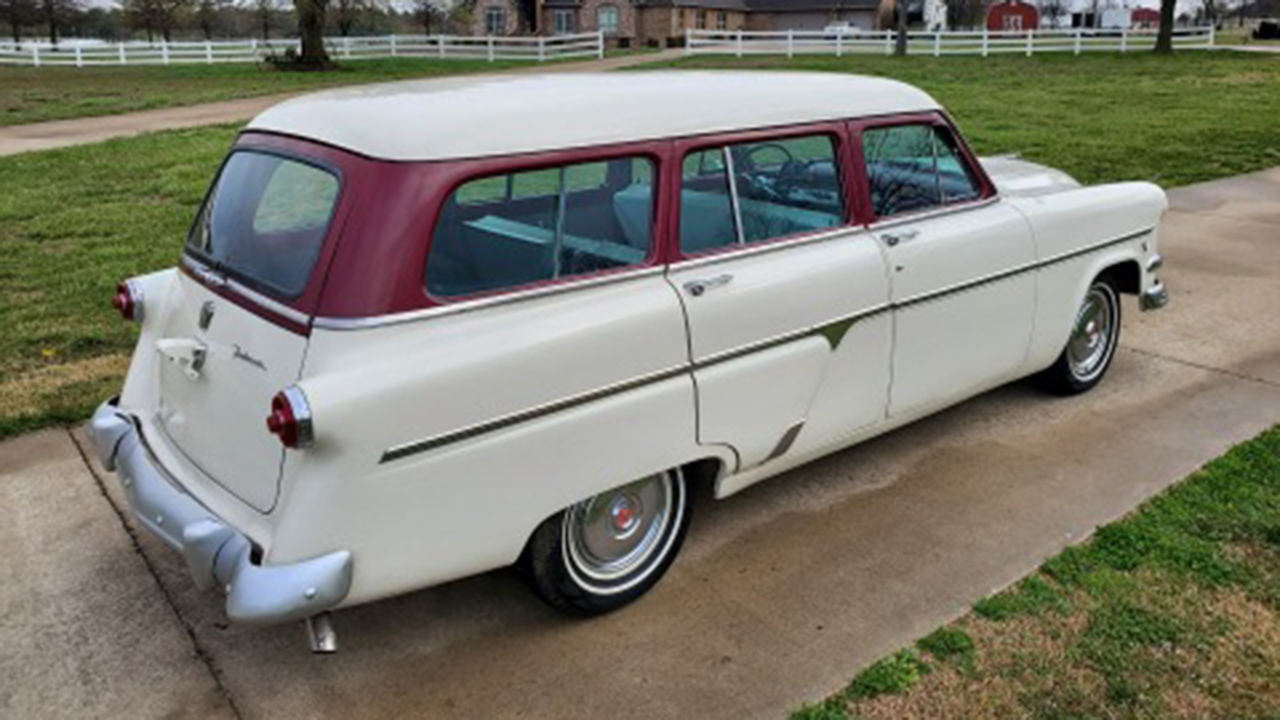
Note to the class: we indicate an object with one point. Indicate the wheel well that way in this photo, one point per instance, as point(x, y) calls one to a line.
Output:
point(701, 475)
point(1127, 276)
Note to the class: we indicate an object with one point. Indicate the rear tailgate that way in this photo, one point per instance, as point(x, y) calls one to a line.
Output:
point(236, 331)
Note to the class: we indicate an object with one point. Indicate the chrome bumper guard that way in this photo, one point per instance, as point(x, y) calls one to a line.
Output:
point(1155, 298)
point(216, 553)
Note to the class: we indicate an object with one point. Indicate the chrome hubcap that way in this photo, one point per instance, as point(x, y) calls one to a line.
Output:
point(1090, 343)
point(612, 534)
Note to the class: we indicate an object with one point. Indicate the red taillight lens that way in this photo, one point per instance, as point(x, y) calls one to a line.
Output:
point(128, 300)
point(290, 418)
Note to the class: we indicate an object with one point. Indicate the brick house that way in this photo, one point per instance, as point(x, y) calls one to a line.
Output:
point(663, 22)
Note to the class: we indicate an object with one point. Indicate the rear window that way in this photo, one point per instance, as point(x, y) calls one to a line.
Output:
point(265, 220)
point(507, 231)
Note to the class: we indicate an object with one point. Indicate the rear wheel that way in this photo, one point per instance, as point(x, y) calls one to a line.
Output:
point(608, 550)
point(1092, 345)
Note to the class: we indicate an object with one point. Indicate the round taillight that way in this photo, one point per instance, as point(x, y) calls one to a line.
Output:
point(128, 300)
point(290, 418)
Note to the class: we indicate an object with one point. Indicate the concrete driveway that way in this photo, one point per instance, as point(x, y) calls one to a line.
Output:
point(781, 594)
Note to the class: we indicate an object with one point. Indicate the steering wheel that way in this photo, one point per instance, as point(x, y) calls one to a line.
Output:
point(750, 154)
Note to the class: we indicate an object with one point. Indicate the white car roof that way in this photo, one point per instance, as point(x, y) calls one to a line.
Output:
point(489, 115)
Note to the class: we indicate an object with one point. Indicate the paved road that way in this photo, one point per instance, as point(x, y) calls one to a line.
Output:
point(16, 139)
point(781, 594)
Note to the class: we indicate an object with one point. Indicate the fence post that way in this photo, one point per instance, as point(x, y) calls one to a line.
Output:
point(164, 51)
point(1124, 40)
point(120, 47)
point(985, 42)
point(208, 52)
point(542, 48)
point(490, 48)
point(600, 44)
point(937, 44)
point(79, 57)
point(888, 42)
point(739, 42)
point(392, 39)
point(1213, 34)
point(35, 55)
point(839, 38)
point(790, 43)
point(1079, 33)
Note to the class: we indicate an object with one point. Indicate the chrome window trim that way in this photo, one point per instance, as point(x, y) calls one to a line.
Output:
point(930, 214)
point(215, 279)
point(733, 252)
point(466, 306)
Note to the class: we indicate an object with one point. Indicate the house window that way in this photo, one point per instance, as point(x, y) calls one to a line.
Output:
point(722, 20)
point(495, 20)
point(563, 22)
point(607, 19)
point(702, 20)
point(914, 168)
point(781, 187)
point(513, 230)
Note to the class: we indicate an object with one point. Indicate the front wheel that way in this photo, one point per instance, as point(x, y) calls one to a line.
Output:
point(608, 550)
point(1092, 344)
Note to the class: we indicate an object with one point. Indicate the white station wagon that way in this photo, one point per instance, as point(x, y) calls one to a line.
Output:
point(497, 320)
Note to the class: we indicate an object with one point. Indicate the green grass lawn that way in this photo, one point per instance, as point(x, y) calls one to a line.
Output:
point(1171, 612)
point(75, 221)
point(1194, 116)
point(29, 94)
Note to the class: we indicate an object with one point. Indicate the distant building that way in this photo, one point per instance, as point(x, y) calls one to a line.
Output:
point(1145, 18)
point(663, 22)
point(1012, 16)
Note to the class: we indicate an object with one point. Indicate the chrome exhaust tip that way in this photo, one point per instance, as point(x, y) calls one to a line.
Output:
point(321, 637)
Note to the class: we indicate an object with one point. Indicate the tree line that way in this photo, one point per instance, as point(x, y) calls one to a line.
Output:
point(168, 20)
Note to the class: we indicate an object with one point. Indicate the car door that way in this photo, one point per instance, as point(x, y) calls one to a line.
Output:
point(962, 292)
point(775, 281)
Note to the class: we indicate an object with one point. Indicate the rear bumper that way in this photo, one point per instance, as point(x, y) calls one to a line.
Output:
point(216, 553)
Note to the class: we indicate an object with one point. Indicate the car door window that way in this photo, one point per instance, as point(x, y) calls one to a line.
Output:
point(752, 192)
point(520, 228)
point(912, 168)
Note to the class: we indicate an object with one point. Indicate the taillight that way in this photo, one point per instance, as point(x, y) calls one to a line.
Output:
point(128, 300)
point(290, 418)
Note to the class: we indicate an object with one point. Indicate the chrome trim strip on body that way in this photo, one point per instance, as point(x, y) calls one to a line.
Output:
point(208, 275)
point(1018, 270)
point(431, 443)
point(833, 331)
point(360, 323)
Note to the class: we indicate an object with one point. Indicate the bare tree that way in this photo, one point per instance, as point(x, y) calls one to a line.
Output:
point(1164, 38)
point(311, 33)
point(429, 14)
point(17, 13)
point(900, 22)
point(53, 13)
point(209, 16)
point(263, 10)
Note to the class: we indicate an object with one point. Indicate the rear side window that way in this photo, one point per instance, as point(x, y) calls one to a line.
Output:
point(751, 192)
point(265, 220)
point(913, 168)
point(510, 230)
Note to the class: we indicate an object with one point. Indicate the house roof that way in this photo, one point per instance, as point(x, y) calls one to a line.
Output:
point(490, 115)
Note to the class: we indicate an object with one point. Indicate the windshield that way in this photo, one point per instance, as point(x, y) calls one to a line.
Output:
point(265, 220)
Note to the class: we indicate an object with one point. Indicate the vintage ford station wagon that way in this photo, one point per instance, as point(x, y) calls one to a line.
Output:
point(497, 320)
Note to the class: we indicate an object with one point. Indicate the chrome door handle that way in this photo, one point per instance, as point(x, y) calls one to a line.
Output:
point(892, 239)
point(697, 287)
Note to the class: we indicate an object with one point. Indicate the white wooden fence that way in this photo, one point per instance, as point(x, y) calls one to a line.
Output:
point(961, 42)
point(586, 45)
